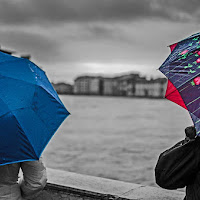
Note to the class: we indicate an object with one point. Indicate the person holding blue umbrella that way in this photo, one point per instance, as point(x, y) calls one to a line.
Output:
point(30, 114)
point(30, 187)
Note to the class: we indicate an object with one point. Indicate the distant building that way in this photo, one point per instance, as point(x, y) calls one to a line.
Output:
point(63, 88)
point(89, 85)
point(141, 88)
point(126, 84)
point(81, 85)
point(160, 85)
point(95, 86)
point(110, 87)
point(150, 88)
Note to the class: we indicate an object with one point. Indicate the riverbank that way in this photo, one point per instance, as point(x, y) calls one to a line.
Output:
point(64, 185)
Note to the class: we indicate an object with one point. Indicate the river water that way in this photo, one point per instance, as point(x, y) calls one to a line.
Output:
point(115, 137)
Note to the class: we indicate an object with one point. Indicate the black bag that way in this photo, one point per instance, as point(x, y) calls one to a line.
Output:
point(177, 166)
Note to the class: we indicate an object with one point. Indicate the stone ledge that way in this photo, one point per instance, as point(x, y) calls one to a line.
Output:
point(68, 185)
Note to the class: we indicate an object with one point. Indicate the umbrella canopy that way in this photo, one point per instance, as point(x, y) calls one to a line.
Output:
point(30, 110)
point(182, 68)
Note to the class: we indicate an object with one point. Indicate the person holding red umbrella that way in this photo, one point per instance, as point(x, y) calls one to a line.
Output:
point(179, 166)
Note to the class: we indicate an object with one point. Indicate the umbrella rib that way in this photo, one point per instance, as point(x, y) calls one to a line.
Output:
point(186, 81)
point(35, 85)
point(184, 88)
point(178, 51)
point(14, 60)
point(184, 61)
point(193, 101)
point(17, 79)
point(197, 121)
point(56, 97)
point(179, 93)
point(178, 79)
point(18, 123)
point(26, 135)
point(40, 119)
point(49, 94)
point(26, 61)
point(13, 110)
point(47, 129)
point(34, 110)
point(195, 110)
point(177, 73)
point(173, 92)
point(178, 66)
point(189, 80)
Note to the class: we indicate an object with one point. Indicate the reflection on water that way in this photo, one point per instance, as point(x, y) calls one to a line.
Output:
point(117, 138)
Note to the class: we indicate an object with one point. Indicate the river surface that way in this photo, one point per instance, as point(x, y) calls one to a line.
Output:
point(115, 137)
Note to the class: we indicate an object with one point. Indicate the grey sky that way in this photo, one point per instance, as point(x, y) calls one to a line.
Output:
point(72, 37)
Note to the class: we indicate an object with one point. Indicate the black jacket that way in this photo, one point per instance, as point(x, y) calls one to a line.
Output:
point(179, 166)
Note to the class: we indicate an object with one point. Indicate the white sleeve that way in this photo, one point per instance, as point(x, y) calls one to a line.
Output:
point(34, 178)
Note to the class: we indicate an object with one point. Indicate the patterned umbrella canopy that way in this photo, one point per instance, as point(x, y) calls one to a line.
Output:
point(30, 110)
point(182, 68)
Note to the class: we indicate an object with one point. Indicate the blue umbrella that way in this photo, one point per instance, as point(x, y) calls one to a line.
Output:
point(30, 110)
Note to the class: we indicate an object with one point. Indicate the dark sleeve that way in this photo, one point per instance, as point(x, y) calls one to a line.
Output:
point(177, 166)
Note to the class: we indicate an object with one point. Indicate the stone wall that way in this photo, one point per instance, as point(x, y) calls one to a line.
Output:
point(71, 186)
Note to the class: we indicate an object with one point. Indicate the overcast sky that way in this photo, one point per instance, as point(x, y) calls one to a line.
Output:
point(68, 38)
